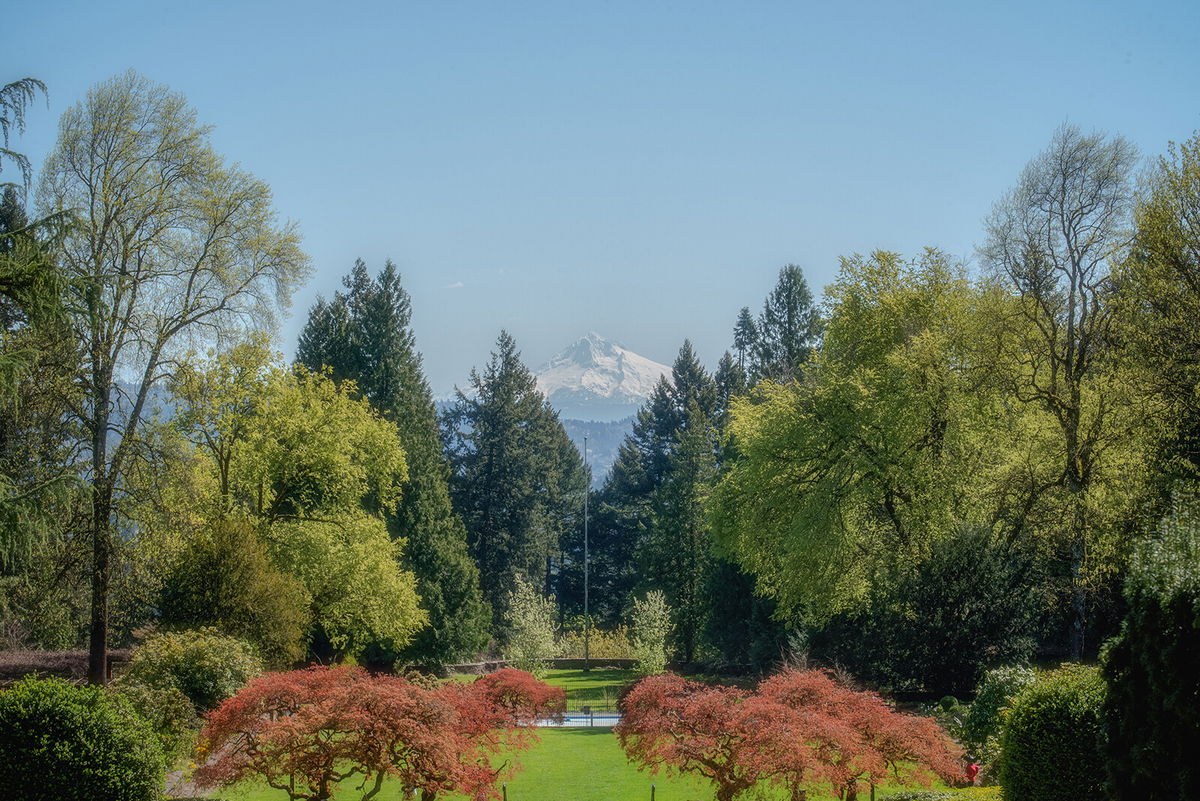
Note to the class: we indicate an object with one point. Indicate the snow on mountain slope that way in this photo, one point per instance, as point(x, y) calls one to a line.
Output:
point(594, 379)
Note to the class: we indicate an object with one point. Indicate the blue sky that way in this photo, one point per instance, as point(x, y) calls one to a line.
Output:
point(637, 169)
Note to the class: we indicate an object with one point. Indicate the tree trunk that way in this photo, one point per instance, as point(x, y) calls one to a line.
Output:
point(1078, 598)
point(1076, 475)
point(102, 495)
point(101, 552)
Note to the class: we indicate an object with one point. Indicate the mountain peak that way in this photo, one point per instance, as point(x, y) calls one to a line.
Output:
point(590, 350)
point(596, 379)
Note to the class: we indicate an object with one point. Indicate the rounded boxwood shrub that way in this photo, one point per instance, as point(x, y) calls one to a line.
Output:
point(61, 742)
point(1052, 740)
point(203, 664)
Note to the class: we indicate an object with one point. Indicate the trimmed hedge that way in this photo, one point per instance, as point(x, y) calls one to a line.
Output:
point(1053, 738)
point(63, 742)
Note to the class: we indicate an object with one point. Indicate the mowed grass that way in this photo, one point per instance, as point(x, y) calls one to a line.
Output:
point(582, 687)
point(590, 686)
point(567, 765)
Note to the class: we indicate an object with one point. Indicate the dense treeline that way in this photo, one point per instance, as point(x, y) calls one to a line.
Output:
point(932, 471)
point(936, 470)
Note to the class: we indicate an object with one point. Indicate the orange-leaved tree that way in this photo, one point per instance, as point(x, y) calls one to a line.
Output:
point(885, 744)
point(311, 732)
point(800, 730)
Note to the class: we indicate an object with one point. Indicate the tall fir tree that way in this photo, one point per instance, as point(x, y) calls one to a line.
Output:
point(516, 479)
point(675, 554)
point(745, 336)
point(653, 533)
point(731, 381)
point(364, 335)
point(788, 329)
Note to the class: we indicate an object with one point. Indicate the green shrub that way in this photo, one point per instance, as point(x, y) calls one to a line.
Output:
point(225, 579)
point(610, 643)
point(62, 742)
point(203, 664)
point(1052, 739)
point(950, 713)
point(984, 722)
point(169, 713)
point(1152, 713)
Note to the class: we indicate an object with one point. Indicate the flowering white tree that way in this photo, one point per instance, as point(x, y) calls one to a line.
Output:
point(530, 628)
point(650, 630)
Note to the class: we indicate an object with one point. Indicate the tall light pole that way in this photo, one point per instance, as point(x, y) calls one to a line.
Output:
point(587, 620)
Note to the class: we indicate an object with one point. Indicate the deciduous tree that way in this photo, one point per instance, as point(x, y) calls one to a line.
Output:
point(800, 730)
point(1053, 239)
point(529, 636)
point(317, 471)
point(172, 247)
point(311, 733)
point(650, 629)
point(852, 473)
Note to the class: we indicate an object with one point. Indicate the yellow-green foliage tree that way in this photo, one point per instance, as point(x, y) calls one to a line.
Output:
point(170, 246)
point(911, 424)
point(1052, 241)
point(1159, 304)
point(316, 471)
point(862, 463)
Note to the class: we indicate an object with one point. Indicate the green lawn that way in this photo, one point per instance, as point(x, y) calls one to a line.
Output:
point(593, 686)
point(596, 687)
point(568, 765)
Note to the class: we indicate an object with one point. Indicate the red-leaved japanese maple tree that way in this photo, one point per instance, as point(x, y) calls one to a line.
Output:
point(800, 730)
point(311, 732)
point(884, 743)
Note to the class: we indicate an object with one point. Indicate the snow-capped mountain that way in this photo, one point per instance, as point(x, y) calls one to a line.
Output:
point(594, 379)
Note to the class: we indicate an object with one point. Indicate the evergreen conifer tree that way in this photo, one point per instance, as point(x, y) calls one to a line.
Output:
point(650, 510)
point(745, 336)
point(788, 328)
point(517, 479)
point(731, 381)
point(365, 335)
point(675, 553)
